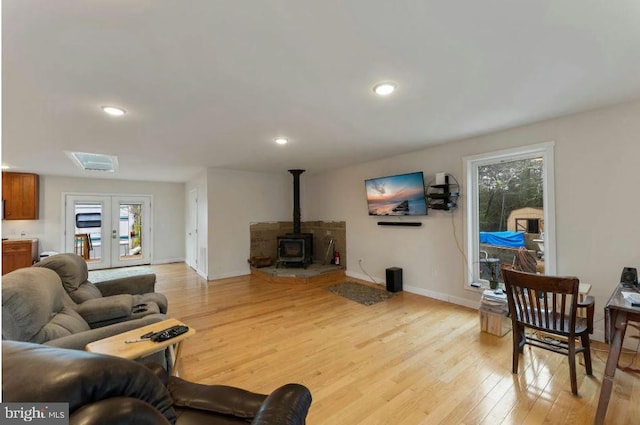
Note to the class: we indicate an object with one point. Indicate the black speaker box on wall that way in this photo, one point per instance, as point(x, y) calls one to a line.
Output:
point(629, 276)
point(394, 279)
point(400, 223)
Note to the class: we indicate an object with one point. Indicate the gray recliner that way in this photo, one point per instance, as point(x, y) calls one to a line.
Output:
point(36, 308)
point(135, 294)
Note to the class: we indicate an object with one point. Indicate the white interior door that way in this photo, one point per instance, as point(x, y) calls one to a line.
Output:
point(192, 230)
point(109, 230)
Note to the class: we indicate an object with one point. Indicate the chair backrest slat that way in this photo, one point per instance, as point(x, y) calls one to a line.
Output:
point(563, 305)
point(547, 314)
point(554, 304)
point(544, 302)
point(538, 310)
point(524, 303)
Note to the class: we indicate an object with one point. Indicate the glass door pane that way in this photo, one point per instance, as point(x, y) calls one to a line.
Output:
point(130, 231)
point(88, 230)
point(131, 246)
point(87, 226)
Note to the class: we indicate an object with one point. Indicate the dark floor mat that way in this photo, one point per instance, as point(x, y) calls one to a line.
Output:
point(360, 293)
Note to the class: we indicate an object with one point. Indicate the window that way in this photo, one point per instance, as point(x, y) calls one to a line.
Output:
point(87, 220)
point(510, 212)
point(528, 225)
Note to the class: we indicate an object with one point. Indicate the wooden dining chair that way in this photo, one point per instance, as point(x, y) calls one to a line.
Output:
point(543, 312)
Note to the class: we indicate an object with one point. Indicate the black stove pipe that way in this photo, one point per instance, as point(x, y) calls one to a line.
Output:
point(296, 200)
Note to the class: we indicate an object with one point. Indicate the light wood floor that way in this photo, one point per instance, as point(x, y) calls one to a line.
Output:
point(409, 360)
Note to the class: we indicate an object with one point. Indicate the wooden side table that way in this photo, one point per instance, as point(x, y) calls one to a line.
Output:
point(116, 345)
point(619, 313)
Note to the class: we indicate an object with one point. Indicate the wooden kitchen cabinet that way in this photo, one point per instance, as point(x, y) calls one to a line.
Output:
point(20, 196)
point(17, 254)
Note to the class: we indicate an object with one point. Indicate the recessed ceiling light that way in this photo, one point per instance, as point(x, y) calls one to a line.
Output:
point(384, 89)
point(281, 140)
point(114, 111)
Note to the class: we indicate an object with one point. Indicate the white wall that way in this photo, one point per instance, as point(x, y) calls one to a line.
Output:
point(168, 213)
point(597, 203)
point(236, 199)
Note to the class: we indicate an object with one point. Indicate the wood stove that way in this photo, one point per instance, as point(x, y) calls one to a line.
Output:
point(295, 249)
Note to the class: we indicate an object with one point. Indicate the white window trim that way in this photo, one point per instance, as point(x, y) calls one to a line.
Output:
point(470, 177)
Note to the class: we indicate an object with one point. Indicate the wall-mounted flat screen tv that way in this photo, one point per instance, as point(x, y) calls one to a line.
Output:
point(398, 195)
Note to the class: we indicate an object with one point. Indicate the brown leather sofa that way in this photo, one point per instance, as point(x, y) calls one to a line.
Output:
point(110, 390)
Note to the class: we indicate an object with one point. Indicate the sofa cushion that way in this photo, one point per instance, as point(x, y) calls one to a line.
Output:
point(65, 322)
point(106, 309)
point(35, 307)
point(131, 284)
point(85, 292)
point(71, 268)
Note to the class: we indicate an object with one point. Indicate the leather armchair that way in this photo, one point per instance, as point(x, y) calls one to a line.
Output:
point(110, 390)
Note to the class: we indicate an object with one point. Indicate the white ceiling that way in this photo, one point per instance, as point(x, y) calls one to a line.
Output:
point(210, 83)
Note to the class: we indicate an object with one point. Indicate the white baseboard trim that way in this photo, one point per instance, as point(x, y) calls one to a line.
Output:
point(443, 297)
point(362, 276)
point(598, 335)
point(421, 291)
point(168, 260)
point(227, 275)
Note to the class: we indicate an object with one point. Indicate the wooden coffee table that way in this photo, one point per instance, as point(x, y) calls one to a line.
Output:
point(116, 345)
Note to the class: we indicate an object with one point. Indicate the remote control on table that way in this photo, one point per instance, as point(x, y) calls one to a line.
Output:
point(169, 333)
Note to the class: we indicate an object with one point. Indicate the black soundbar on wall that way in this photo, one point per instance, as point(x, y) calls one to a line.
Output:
point(400, 223)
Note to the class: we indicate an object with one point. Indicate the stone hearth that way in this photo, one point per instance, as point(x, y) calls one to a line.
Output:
point(314, 273)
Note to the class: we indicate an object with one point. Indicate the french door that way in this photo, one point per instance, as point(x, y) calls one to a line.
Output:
point(108, 230)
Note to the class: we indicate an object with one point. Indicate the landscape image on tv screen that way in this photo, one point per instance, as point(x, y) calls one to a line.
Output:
point(398, 195)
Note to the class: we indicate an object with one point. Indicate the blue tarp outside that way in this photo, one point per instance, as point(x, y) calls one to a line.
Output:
point(510, 239)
